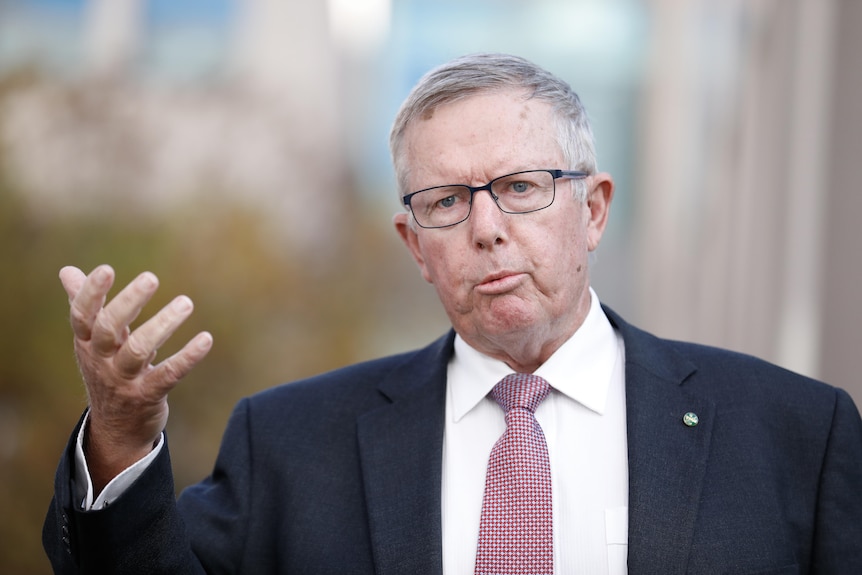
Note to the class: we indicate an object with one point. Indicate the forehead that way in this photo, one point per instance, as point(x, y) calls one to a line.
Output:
point(481, 137)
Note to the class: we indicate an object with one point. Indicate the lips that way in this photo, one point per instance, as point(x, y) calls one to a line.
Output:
point(500, 282)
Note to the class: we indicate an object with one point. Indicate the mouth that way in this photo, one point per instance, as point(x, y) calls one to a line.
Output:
point(500, 283)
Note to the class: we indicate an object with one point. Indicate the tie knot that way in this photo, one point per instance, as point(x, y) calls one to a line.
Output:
point(520, 390)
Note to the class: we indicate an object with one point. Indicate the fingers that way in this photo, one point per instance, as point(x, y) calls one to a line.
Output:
point(86, 295)
point(140, 347)
point(176, 367)
point(104, 333)
point(103, 330)
point(110, 327)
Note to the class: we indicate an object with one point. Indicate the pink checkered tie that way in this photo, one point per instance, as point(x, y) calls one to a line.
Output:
point(516, 530)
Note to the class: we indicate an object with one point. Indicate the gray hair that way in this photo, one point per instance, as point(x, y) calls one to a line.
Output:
point(476, 73)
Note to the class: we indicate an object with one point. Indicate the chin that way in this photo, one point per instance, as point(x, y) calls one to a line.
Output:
point(503, 323)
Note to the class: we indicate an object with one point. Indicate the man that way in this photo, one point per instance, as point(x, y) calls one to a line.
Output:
point(640, 454)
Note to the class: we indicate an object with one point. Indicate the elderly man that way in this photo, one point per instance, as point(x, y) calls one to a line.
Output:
point(542, 435)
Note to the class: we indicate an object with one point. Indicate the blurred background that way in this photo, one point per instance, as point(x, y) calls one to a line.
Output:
point(238, 149)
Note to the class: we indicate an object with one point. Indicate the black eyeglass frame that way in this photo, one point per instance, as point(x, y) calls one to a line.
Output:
point(556, 174)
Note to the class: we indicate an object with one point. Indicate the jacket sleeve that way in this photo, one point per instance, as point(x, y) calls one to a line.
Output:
point(141, 532)
point(838, 529)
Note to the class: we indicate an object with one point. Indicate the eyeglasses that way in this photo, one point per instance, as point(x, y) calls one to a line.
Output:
point(518, 193)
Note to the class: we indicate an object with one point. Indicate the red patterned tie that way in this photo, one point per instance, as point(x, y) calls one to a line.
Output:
point(516, 530)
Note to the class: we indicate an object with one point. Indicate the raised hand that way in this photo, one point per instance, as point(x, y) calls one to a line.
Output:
point(127, 393)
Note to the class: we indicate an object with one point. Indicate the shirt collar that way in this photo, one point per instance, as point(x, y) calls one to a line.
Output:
point(581, 368)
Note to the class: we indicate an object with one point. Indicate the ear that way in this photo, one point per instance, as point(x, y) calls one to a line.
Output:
point(598, 205)
point(411, 240)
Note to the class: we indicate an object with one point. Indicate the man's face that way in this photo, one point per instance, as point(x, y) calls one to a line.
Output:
point(515, 286)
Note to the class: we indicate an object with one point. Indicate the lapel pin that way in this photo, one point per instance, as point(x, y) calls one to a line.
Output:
point(690, 419)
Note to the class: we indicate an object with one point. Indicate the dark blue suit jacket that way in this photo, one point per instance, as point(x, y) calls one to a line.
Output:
point(341, 473)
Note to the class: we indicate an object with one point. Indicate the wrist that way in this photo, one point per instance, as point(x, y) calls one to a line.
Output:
point(107, 455)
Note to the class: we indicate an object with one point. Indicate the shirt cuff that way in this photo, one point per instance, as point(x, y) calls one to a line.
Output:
point(118, 485)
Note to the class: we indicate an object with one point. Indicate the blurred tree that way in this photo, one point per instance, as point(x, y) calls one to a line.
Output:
point(273, 319)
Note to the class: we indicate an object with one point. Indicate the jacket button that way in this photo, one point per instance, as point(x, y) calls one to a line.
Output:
point(64, 530)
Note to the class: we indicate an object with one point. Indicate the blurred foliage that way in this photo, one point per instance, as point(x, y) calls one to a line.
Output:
point(273, 316)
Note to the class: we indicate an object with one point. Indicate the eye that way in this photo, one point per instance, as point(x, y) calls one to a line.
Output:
point(445, 197)
point(447, 202)
point(520, 187)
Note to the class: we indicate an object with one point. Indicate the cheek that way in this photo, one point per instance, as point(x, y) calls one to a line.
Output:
point(440, 264)
point(451, 288)
point(449, 271)
point(564, 259)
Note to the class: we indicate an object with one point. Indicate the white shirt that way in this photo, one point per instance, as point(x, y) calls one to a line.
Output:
point(583, 419)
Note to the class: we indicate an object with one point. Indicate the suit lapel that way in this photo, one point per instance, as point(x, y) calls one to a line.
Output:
point(667, 458)
point(401, 453)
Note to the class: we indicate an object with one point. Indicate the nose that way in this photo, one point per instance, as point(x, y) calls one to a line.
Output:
point(486, 221)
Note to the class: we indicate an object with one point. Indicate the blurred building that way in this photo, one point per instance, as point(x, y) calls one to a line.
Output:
point(148, 113)
point(749, 176)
